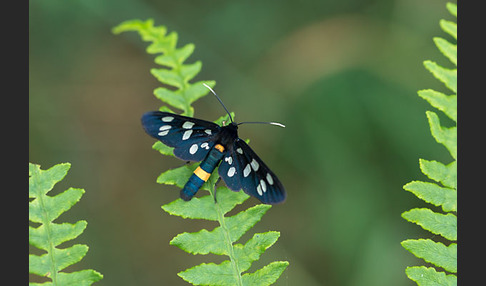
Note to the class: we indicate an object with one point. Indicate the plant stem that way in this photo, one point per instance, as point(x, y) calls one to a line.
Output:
point(229, 243)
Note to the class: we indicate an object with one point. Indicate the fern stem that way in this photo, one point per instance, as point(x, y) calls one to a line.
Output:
point(227, 237)
point(46, 224)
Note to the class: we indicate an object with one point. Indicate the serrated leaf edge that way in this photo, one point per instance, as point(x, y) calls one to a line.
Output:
point(51, 248)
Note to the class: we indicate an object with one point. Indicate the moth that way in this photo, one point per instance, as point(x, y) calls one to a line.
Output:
point(200, 140)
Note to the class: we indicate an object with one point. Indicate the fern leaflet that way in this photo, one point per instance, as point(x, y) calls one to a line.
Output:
point(221, 240)
point(43, 210)
point(442, 192)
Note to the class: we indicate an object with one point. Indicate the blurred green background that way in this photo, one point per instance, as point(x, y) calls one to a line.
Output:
point(342, 76)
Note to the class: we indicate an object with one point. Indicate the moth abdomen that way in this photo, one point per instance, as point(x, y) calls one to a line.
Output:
point(202, 172)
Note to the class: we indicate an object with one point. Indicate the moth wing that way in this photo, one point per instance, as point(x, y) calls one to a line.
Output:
point(229, 170)
point(191, 138)
point(255, 178)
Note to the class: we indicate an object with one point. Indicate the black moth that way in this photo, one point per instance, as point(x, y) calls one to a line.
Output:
point(199, 140)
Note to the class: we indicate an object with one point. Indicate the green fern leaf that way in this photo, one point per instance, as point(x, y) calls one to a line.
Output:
point(449, 50)
point(452, 8)
point(428, 276)
point(253, 248)
point(267, 275)
point(437, 223)
point(43, 210)
point(444, 196)
point(443, 135)
point(223, 275)
point(447, 76)
point(203, 208)
point(163, 149)
point(434, 252)
point(445, 103)
point(178, 176)
point(445, 174)
point(449, 27)
point(434, 194)
point(222, 239)
point(211, 274)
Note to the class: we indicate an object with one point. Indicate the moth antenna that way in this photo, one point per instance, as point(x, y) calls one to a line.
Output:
point(260, 122)
point(219, 99)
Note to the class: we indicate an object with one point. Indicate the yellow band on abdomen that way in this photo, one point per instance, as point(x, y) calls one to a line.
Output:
point(203, 175)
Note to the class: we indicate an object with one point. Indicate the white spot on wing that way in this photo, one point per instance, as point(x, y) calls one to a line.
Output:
point(205, 145)
point(259, 190)
point(264, 186)
point(269, 179)
point(163, 133)
point(246, 171)
point(239, 150)
point(208, 131)
point(254, 165)
point(167, 118)
point(164, 127)
point(193, 149)
point(186, 135)
point(231, 171)
point(187, 125)
point(229, 160)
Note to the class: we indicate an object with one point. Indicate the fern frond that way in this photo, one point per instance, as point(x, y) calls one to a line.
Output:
point(222, 239)
point(43, 210)
point(443, 191)
point(175, 73)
